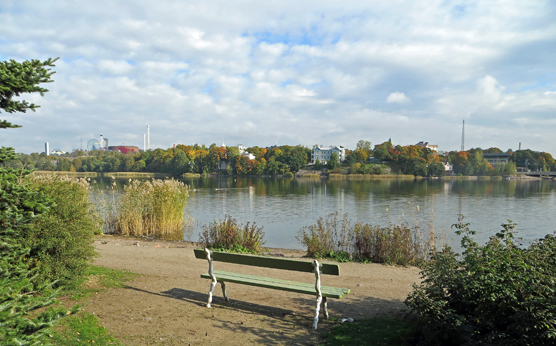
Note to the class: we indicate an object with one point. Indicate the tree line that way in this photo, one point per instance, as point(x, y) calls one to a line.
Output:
point(286, 159)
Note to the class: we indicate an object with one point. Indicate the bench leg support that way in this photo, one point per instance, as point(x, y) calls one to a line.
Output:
point(325, 306)
point(317, 311)
point(212, 286)
point(223, 285)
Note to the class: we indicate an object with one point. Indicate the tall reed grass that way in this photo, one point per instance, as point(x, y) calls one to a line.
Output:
point(152, 208)
point(336, 238)
point(228, 234)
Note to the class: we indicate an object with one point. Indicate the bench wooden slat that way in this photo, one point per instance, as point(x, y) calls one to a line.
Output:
point(268, 262)
point(285, 285)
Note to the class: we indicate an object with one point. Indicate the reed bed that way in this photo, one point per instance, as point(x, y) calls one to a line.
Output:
point(459, 177)
point(135, 174)
point(191, 175)
point(69, 174)
point(152, 208)
point(335, 238)
point(230, 235)
point(379, 176)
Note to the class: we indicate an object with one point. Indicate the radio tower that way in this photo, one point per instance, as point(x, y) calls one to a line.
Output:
point(463, 136)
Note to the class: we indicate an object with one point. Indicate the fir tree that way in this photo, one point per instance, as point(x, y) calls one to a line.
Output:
point(21, 323)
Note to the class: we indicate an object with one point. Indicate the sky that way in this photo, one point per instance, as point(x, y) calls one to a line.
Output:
point(261, 73)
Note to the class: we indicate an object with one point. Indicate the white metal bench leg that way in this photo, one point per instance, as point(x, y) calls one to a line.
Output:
point(212, 285)
point(223, 285)
point(319, 293)
point(211, 273)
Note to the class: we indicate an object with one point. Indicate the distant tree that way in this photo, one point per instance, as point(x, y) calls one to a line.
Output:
point(318, 165)
point(382, 151)
point(333, 162)
point(493, 151)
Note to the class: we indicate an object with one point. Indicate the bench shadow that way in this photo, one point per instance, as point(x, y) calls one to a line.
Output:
point(245, 307)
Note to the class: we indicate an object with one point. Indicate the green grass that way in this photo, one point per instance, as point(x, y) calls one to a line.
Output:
point(380, 331)
point(96, 280)
point(84, 328)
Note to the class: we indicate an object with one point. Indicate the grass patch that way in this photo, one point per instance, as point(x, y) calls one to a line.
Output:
point(96, 280)
point(84, 328)
point(380, 331)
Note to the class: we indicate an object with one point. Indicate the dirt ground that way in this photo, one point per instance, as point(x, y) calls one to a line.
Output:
point(166, 304)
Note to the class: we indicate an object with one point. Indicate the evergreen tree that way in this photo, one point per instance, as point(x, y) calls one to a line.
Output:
point(19, 205)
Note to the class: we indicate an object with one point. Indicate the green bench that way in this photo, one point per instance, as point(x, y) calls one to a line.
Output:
point(322, 292)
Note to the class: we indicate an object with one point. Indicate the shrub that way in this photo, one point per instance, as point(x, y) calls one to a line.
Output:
point(152, 208)
point(335, 238)
point(496, 294)
point(395, 244)
point(228, 234)
point(61, 240)
point(326, 236)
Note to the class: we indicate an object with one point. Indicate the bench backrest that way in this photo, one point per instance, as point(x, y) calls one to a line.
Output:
point(268, 262)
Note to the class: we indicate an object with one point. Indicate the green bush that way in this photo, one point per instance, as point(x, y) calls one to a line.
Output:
point(496, 294)
point(61, 240)
point(228, 234)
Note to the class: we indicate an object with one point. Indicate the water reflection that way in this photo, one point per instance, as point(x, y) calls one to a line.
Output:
point(283, 206)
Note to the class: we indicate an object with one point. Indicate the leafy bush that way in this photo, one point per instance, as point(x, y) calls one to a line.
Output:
point(61, 240)
point(153, 208)
point(496, 294)
point(228, 234)
point(395, 244)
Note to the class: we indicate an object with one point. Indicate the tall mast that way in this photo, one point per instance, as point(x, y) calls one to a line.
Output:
point(463, 136)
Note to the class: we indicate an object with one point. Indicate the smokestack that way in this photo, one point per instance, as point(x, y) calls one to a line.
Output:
point(144, 141)
point(519, 145)
point(149, 137)
point(46, 149)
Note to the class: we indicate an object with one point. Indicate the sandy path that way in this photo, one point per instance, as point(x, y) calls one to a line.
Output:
point(166, 304)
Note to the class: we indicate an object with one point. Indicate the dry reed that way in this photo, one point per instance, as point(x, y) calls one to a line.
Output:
point(392, 244)
point(152, 208)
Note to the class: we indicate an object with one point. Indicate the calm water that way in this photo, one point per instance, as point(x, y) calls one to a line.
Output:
point(283, 206)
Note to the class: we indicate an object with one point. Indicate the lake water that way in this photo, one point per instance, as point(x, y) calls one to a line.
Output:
point(284, 206)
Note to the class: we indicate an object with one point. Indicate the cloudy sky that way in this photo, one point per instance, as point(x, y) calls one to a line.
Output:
point(287, 72)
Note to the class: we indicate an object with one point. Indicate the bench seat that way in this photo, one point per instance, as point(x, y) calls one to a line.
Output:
point(285, 285)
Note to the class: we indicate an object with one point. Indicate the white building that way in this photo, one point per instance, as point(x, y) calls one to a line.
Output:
point(323, 153)
point(427, 145)
point(57, 152)
point(244, 152)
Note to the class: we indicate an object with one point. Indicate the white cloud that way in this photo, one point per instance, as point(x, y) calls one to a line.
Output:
point(397, 97)
point(296, 73)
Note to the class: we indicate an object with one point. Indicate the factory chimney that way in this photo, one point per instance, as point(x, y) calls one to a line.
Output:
point(149, 137)
point(46, 149)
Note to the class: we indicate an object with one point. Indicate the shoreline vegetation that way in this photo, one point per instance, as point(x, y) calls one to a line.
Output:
point(302, 174)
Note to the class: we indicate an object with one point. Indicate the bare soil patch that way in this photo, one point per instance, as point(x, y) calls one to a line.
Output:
point(166, 305)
